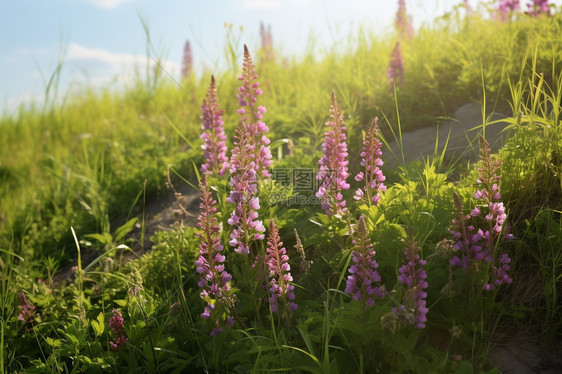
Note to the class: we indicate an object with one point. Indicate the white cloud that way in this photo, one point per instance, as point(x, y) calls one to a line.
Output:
point(107, 4)
point(112, 63)
point(261, 4)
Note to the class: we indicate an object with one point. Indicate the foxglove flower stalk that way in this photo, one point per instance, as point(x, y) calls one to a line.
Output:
point(243, 195)
point(478, 234)
point(116, 323)
point(280, 277)
point(395, 73)
point(27, 310)
point(252, 115)
point(361, 284)
point(537, 7)
point(187, 63)
point(216, 161)
point(413, 275)
point(215, 280)
point(332, 170)
point(370, 160)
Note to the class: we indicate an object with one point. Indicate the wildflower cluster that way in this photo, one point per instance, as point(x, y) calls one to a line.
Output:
point(477, 234)
point(280, 277)
point(370, 160)
point(215, 280)
point(333, 165)
point(214, 138)
point(361, 284)
point(395, 72)
point(187, 62)
point(116, 323)
point(413, 275)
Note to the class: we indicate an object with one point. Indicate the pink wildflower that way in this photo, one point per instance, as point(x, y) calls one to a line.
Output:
point(370, 160)
point(216, 161)
point(395, 73)
point(215, 280)
point(364, 275)
point(477, 234)
point(413, 275)
point(243, 195)
point(277, 262)
point(116, 323)
point(187, 62)
point(252, 115)
point(333, 164)
point(27, 310)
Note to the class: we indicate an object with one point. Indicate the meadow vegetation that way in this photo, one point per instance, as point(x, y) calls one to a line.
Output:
point(426, 270)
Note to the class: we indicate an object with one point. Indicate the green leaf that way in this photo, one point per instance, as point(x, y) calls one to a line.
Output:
point(104, 238)
point(121, 302)
point(99, 325)
point(125, 229)
point(53, 342)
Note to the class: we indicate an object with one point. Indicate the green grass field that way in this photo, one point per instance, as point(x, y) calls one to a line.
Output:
point(77, 177)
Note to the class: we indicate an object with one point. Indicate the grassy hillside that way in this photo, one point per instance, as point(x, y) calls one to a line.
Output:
point(77, 176)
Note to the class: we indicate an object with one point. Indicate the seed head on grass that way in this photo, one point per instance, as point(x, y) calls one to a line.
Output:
point(251, 115)
point(361, 284)
point(413, 275)
point(332, 170)
point(280, 277)
point(215, 280)
point(216, 161)
point(116, 323)
point(370, 160)
point(243, 195)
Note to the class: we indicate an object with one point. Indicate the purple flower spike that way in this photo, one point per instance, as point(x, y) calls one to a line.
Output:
point(333, 165)
point(216, 161)
point(252, 114)
point(395, 73)
point(361, 284)
point(215, 280)
point(116, 323)
point(187, 63)
point(413, 275)
point(280, 277)
point(403, 22)
point(372, 174)
point(243, 182)
point(478, 234)
point(505, 9)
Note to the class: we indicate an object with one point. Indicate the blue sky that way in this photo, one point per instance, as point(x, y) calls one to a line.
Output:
point(103, 40)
